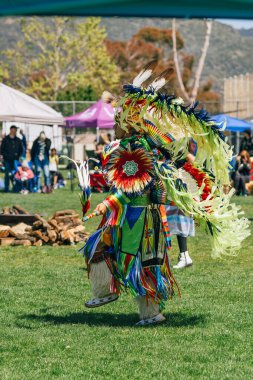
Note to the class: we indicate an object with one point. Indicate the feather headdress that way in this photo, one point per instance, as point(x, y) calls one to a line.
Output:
point(145, 74)
point(169, 124)
point(147, 110)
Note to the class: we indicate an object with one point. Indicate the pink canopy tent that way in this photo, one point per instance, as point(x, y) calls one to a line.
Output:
point(99, 115)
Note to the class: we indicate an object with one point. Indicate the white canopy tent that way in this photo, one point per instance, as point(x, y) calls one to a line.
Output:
point(18, 107)
point(31, 115)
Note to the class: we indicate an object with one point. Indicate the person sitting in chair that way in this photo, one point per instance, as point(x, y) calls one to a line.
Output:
point(23, 178)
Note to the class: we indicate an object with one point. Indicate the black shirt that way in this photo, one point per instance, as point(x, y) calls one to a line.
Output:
point(11, 148)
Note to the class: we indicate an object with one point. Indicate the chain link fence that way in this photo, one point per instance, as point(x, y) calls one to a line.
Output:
point(69, 107)
point(235, 108)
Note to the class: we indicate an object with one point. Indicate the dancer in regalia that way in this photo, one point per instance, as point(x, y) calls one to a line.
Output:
point(130, 248)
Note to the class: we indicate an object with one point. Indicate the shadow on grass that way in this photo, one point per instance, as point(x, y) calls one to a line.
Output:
point(174, 320)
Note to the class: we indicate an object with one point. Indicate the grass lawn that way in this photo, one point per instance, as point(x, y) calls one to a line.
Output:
point(45, 332)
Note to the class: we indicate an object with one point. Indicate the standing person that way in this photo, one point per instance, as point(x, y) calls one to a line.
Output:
point(181, 225)
point(11, 150)
point(53, 167)
point(247, 143)
point(40, 157)
point(24, 144)
point(242, 172)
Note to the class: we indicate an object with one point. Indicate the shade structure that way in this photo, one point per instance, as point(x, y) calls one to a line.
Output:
point(232, 123)
point(99, 115)
point(142, 8)
point(16, 106)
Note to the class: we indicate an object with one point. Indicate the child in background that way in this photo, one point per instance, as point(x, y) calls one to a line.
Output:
point(53, 167)
point(23, 178)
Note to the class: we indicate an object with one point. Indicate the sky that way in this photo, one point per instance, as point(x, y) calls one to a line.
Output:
point(238, 24)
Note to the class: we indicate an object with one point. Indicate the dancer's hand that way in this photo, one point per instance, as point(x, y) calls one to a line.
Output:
point(100, 209)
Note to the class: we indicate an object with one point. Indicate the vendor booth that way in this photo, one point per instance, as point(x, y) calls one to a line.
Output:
point(96, 119)
point(29, 114)
point(233, 125)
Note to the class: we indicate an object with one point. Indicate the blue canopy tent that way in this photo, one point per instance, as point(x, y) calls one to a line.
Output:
point(233, 125)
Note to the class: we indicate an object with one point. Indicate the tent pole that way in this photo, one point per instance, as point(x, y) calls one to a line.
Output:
point(237, 142)
point(97, 129)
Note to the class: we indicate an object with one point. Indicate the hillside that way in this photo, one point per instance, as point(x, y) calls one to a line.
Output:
point(230, 52)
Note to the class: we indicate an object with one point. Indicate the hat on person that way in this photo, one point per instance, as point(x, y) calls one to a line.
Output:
point(13, 126)
point(42, 135)
point(25, 164)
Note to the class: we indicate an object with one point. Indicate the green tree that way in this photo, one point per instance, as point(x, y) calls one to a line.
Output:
point(4, 75)
point(56, 55)
point(96, 67)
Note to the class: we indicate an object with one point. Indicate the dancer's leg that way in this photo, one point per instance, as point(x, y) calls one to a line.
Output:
point(182, 243)
point(184, 259)
point(101, 279)
point(149, 311)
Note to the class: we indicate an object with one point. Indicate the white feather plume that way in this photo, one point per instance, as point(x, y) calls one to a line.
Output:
point(142, 77)
point(157, 84)
point(82, 172)
point(161, 80)
point(145, 73)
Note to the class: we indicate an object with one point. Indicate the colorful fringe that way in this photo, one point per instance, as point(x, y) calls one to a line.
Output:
point(166, 230)
point(117, 204)
point(204, 180)
point(141, 108)
point(155, 282)
point(215, 210)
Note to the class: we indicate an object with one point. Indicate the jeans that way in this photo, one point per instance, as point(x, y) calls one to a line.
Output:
point(42, 166)
point(239, 183)
point(9, 167)
point(23, 185)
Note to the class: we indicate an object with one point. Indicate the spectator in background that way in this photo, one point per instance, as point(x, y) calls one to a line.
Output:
point(24, 143)
point(181, 225)
point(11, 150)
point(24, 177)
point(40, 157)
point(105, 138)
point(98, 153)
point(247, 143)
point(242, 172)
point(53, 167)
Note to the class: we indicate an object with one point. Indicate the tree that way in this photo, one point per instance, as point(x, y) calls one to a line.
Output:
point(4, 75)
point(56, 55)
point(192, 92)
point(147, 44)
point(96, 67)
point(151, 43)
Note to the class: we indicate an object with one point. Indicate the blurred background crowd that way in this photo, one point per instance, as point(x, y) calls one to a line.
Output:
point(38, 169)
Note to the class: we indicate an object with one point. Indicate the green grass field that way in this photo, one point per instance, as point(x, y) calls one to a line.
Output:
point(46, 333)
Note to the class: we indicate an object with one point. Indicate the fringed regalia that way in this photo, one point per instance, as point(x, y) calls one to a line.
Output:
point(133, 238)
point(134, 235)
